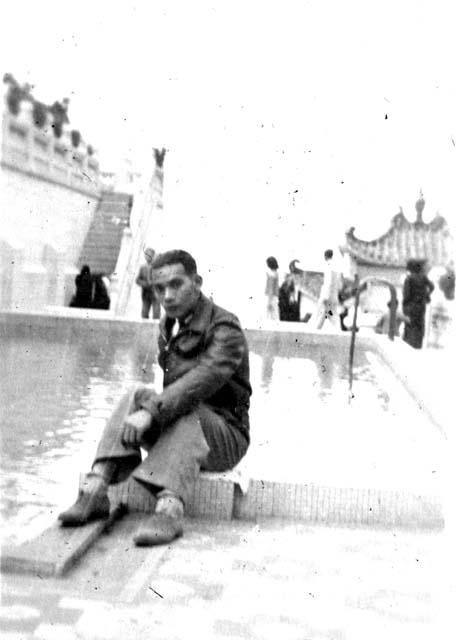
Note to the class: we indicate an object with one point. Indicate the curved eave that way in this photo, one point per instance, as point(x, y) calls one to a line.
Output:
point(366, 261)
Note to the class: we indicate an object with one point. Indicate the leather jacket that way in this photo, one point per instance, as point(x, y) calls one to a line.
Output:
point(206, 361)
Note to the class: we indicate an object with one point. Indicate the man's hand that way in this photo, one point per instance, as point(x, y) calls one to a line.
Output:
point(135, 426)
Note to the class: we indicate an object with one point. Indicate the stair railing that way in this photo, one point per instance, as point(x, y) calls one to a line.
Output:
point(359, 286)
point(133, 242)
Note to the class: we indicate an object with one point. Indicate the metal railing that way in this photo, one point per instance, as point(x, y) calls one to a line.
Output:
point(145, 215)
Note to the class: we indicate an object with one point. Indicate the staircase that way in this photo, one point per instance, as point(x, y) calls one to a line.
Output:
point(102, 243)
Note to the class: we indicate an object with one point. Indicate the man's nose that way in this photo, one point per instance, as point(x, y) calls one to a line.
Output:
point(169, 294)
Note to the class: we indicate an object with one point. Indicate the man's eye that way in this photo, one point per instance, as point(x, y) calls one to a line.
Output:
point(159, 288)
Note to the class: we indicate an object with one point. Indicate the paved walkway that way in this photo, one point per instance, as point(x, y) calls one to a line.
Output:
point(240, 580)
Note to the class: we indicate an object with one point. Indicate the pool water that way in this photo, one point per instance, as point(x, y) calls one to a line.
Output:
point(308, 428)
point(60, 387)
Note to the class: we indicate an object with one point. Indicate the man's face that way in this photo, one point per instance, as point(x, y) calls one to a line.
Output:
point(176, 290)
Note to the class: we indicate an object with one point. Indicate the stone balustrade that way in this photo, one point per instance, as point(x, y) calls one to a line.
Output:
point(37, 152)
point(49, 191)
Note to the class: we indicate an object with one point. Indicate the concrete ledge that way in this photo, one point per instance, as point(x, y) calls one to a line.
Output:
point(77, 318)
point(55, 550)
point(219, 497)
point(426, 378)
point(337, 505)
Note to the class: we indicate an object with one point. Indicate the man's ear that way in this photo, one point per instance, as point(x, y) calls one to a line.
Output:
point(198, 280)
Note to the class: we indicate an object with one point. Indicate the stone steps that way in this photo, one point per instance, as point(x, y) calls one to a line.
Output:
point(115, 196)
point(102, 243)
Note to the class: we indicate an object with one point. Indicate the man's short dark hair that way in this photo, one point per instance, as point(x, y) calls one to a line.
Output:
point(415, 266)
point(177, 256)
point(328, 254)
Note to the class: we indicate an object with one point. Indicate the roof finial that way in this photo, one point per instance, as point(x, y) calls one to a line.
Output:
point(419, 206)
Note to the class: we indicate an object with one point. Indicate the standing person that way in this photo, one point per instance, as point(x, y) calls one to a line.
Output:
point(416, 293)
point(272, 289)
point(328, 301)
point(100, 295)
point(288, 300)
point(347, 298)
point(144, 280)
point(83, 295)
point(199, 421)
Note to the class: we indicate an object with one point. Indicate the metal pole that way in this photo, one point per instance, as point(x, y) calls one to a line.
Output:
point(353, 336)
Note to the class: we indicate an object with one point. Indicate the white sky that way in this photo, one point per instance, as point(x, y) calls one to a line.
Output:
point(273, 112)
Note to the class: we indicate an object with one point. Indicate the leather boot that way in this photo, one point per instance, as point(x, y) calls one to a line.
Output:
point(92, 502)
point(165, 524)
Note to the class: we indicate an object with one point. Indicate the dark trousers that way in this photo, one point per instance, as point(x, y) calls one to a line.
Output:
point(149, 301)
point(175, 454)
point(414, 329)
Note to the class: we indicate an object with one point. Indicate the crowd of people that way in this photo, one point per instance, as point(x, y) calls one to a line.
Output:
point(337, 296)
point(92, 289)
point(284, 299)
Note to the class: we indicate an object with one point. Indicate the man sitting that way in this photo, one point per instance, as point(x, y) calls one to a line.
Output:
point(199, 421)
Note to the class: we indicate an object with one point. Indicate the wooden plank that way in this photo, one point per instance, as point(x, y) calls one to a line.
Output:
point(56, 549)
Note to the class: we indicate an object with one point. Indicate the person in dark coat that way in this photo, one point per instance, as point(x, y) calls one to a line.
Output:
point(288, 300)
point(100, 295)
point(416, 293)
point(200, 420)
point(83, 295)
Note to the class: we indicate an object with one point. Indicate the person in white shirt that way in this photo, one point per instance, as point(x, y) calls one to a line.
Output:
point(327, 305)
point(272, 289)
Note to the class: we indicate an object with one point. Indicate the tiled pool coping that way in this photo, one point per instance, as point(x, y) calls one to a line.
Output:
point(219, 497)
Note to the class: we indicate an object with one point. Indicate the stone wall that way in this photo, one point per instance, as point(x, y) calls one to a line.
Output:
point(49, 191)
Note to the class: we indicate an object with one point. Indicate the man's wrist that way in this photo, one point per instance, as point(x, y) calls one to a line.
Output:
point(151, 406)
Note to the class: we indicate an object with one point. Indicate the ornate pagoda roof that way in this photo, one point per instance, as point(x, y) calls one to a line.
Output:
point(405, 240)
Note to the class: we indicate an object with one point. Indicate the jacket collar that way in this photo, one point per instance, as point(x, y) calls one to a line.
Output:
point(198, 320)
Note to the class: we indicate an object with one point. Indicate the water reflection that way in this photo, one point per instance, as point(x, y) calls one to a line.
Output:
point(55, 399)
point(326, 373)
